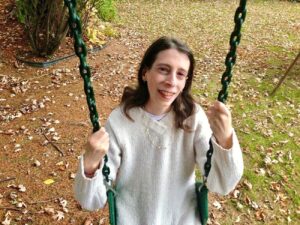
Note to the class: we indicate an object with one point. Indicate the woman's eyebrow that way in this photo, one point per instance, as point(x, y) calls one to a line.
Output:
point(167, 65)
point(163, 64)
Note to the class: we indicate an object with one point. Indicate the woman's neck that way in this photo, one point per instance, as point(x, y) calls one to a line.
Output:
point(157, 111)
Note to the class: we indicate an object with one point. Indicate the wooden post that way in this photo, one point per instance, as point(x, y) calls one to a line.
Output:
point(285, 74)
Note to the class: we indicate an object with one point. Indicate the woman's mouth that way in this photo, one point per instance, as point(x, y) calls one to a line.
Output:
point(166, 94)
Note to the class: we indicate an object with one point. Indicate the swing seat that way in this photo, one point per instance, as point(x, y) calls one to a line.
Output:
point(202, 202)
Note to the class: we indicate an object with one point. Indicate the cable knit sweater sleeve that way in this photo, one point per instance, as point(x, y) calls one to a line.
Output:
point(91, 192)
point(226, 164)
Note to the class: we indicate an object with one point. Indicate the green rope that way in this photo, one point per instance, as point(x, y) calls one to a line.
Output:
point(85, 72)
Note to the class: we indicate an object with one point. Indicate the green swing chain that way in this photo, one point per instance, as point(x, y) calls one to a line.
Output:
point(85, 72)
point(235, 38)
point(230, 60)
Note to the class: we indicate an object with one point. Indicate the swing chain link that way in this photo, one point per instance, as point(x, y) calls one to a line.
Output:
point(235, 38)
point(230, 60)
point(85, 72)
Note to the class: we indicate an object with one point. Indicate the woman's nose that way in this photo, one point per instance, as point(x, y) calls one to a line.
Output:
point(171, 78)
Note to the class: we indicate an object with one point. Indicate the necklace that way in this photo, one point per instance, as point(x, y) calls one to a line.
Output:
point(152, 139)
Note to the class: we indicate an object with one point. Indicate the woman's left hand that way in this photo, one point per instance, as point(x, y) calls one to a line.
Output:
point(220, 122)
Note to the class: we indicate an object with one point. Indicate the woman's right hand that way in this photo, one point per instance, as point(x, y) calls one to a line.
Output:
point(96, 149)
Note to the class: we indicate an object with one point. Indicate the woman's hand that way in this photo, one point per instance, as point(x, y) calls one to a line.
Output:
point(96, 147)
point(220, 122)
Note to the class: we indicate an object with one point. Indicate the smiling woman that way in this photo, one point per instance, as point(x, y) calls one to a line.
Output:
point(153, 141)
point(165, 80)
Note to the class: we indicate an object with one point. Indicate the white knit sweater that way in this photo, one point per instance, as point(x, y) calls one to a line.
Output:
point(153, 165)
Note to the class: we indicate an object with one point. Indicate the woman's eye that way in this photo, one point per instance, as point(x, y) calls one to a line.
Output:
point(181, 75)
point(163, 70)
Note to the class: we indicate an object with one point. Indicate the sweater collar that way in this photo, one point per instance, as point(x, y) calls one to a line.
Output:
point(167, 122)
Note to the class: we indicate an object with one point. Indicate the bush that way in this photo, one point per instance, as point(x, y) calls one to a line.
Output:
point(45, 23)
point(21, 10)
point(106, 9)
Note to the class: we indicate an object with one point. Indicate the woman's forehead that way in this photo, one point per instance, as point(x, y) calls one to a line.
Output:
point(173, 57)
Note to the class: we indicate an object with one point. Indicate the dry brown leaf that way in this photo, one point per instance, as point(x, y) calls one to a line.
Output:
point(63, 202)
point(88, 221)
point(6, 221)
point(59, 215)
point(37, 163)
point(49, 210)
point(217, 205)
point(21, 188)
point(247, 184)
point(260, 215)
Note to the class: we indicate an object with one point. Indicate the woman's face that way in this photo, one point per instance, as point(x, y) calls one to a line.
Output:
point(165, 80)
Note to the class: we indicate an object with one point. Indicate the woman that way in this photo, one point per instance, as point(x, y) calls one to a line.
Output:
point(153, 141)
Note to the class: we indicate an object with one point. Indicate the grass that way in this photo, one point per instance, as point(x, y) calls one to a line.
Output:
point(267, 126)
point(282, 108)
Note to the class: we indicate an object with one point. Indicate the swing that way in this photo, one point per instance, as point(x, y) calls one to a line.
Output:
point(81, 52)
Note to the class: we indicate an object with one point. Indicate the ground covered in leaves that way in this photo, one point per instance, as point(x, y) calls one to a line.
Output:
point(44, 118)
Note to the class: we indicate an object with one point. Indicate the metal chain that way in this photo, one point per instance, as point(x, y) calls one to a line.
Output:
point(230, 60)
point(85, 72)
point(235, 39)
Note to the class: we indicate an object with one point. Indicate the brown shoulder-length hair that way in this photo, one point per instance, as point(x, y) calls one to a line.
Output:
point(183, 105)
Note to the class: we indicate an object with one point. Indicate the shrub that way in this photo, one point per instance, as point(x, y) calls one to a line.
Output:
point(45, 23)
point(106, 9)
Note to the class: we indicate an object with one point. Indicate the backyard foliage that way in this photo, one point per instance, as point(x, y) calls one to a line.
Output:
point(46, 21)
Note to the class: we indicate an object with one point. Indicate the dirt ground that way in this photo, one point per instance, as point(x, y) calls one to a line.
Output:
point(44, 123)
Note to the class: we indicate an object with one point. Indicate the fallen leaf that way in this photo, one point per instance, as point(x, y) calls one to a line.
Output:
point(58, 216)
point(261, 172)
point(275, 186)
point(72, 175)
point(236, 193)
point(102, 221)
point(48, 181)
point(63, 202)
point(49, 210)
point(217, 205)
point(6, 221)
point(13, 195)
point(238, 219)
point(239, 205)
point(21, 188)
point(36, 163)
point(268, 160)
point(248, 184)
point(88, 221)
point(260, 215)
point(61, 163)
point(21, 205)
point(254, 205)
